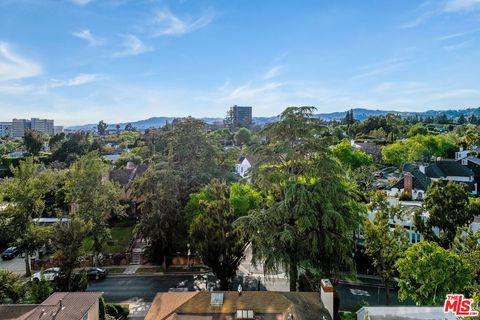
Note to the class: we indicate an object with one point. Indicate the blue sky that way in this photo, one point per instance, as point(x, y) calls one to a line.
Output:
point(80, 61)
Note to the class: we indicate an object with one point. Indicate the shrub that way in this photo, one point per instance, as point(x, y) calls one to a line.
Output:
point(405, 196)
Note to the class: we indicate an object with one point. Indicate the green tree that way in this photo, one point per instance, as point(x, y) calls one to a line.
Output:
point(68, 237)
point(93, 197)
point(473, 119)
point(461, 119)
point(243, 137)
point(351, 158)
point(428, 272)
point(395, 154)
point(24, 194)
point(12, 290)
point(162, 216)
point(33, 141)
point(467, 245)
point(384, 245)
point(130, 127)
point(449, 208)
point(310, 212)
point(39, 291)
point(102, 128)
point(212, 212)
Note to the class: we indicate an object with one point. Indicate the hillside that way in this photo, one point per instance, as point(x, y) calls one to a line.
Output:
point(359, 114)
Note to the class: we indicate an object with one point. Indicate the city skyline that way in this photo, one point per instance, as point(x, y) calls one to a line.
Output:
point(121, 60)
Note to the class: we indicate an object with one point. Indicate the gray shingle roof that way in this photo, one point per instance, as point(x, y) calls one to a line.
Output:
point(444, 168)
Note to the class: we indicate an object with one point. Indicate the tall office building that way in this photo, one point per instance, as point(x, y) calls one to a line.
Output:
point(42, 125)
point(5, 129)
point(19, 126)
point(241, 116)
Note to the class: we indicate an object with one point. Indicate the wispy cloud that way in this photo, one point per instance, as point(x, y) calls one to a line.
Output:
point(15, 67)
point(132, 46)
point(272, 72)
point(380, 69)
point(459, 34)
point(248, 91)
point(417, 21)
point(79, 80)
point(168, 24)
point(461, 5)
point(455, 46)
point(81, 2)
point(89, 37)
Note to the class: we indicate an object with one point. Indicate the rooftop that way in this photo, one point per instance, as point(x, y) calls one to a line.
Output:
point(268, 304)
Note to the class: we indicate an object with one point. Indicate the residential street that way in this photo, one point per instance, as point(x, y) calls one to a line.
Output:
point(16, 265)
point(353, 295)
point(123, 288)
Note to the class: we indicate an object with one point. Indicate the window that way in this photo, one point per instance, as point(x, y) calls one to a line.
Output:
point(244, 314)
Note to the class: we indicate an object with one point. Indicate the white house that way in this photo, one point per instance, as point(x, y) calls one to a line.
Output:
point(244, 163)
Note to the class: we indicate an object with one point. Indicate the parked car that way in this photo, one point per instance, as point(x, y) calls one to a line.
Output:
point(96, 273)
point(49, 274)
point(9, 253)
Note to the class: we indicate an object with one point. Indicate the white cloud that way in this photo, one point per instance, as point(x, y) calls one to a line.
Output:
point(380, 69)
point(89, 37)
point(272, 73)
point(455, 46)
point(461, 5)
point(14, 66)
point(14, 89)
point(79, 80)
point(132, 46)
point(248, 91)
point(168, 24)
point(81, 2)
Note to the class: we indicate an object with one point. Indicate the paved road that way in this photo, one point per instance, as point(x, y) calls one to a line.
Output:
point(139, 291)
point(126, 288)
point(16, 265)
point(354, 295)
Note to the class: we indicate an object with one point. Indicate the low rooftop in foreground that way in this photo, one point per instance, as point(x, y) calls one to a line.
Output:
point(225, 305)
point(59, 306)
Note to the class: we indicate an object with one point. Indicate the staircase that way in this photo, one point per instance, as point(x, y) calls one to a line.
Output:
point(137, 251)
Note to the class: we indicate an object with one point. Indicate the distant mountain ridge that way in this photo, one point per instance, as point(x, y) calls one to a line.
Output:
point(358, 113)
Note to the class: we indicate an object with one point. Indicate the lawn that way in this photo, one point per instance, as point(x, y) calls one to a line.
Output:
point(115, 270)
point(149, 270)
point(121, 235)
point(182, 269)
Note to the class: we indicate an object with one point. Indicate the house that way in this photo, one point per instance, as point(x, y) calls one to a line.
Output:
point(125, 178)
point(406, 221)
point(413, 182)
point(473, 163)
point(451, 170)
point(403, 313)
point(223, 305)
point(373, 148)
point(59, 306)
point(244, 163)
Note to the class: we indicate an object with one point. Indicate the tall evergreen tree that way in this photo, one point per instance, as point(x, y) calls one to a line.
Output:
point(309, 214)
point(212, 212)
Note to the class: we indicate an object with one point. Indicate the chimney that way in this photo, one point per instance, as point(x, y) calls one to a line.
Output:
point(130, 165)
point(326, 295)
point(408, 183)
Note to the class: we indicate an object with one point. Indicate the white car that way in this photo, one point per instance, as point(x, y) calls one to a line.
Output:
point(49, 274)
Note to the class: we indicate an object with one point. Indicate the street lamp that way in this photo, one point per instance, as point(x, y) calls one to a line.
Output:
point(188, 255)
